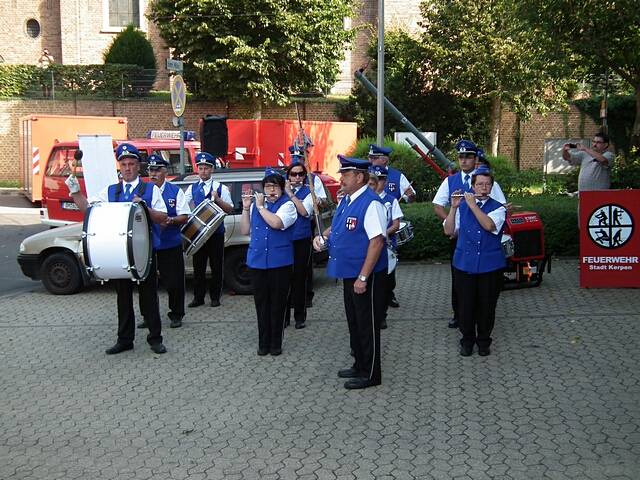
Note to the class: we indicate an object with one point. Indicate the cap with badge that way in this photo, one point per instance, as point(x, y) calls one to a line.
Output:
point(481, 170)
point(378, 171)
point(156, 161)
point(480, 154)
point(376, 151)
point(466, 146)
point(126, 150)
point(272, 171)
point(297, 156)
point(204, 158)
point(351, 163)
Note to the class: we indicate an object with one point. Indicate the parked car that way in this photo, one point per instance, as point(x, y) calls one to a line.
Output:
point(56, 258)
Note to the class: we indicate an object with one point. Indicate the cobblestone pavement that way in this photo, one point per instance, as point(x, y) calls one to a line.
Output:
point(559, 397)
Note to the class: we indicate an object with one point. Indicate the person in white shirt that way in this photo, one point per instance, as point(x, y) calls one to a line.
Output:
point(132, 189)
point(213, 250)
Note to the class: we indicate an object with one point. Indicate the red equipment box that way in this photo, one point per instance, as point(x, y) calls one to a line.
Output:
point(528, 236)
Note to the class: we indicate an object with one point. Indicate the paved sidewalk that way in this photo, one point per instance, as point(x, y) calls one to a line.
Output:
point(558, 398)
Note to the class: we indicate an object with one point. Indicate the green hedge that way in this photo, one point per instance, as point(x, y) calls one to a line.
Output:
point(558, 213)
point(75, 80)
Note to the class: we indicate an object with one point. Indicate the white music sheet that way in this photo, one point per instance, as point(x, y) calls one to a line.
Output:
point(98, 162)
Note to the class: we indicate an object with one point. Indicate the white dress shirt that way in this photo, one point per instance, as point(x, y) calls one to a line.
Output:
point(287, 213)
point(442, 195)
point(182, 206)
point(157, 202)
point(375, 218)
point(208, 186)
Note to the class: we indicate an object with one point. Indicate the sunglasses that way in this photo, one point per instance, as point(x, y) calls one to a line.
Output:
point(296, 174)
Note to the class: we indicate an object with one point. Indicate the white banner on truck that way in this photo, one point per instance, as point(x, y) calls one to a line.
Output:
point(98, 162)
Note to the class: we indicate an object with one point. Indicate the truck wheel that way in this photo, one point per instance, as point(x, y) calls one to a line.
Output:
point(61, 274)
point(236, 271)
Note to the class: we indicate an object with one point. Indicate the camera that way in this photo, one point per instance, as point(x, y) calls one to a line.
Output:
point(573, 145)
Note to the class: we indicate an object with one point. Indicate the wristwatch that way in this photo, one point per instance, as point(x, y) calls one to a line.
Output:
point(362, 278)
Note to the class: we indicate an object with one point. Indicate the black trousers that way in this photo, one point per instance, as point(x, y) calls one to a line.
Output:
point(391, 285)
point(365, 312)
point(171, 268)
point(478, 294)
point(299, 278)
point(148, 292)
point(213, 252)
point(270, 292)
point(454, 296)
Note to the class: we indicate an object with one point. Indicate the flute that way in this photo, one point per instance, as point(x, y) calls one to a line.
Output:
point(461, 195)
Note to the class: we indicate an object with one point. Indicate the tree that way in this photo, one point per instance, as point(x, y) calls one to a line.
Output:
point(483, 49)
point(603, 33)
point(257, 50)
point(131, 47)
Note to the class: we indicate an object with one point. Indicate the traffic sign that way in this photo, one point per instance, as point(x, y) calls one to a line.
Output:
point(178, 95)
point(174, 65)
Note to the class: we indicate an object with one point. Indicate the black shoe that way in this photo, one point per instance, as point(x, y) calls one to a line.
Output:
point(453, 323)
point(118, 348)
point(275, 351)
point(483, 352)
point(300, 325)
point(263, 351)
point(393, 303)
point(215, 303)
point(176, 323)
point(143, 324)
point(466, 350)
point(158, 348)
point(195, 303)
point(359, 382)
point(383, 325)
point(348, 373)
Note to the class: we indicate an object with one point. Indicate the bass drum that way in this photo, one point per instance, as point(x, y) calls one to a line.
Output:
point(116, 240)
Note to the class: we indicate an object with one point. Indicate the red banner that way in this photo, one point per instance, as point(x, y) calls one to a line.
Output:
point(610, 238)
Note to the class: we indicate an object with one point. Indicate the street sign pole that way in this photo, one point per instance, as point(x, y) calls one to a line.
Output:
point(178, 101)
point(181, 123)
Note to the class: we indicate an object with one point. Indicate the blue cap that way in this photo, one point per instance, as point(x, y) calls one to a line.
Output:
point(156, 161)
point(296, 151)
point(126, 150)
point(480, 154)
point(466, 146)
point(378, 171)
point(376, 151)
point(350, 163)
point(481, 170)
point(272, 171)
point(204, 158)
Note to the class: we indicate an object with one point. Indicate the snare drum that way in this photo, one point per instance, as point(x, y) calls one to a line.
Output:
point(405, 233)
point(116, 240)
point(507, 246)
point(205, 220)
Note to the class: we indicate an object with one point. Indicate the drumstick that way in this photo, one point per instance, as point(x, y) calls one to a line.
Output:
point(77, 156)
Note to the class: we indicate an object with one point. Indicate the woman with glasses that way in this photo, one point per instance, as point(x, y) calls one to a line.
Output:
point(478, 261)
point(300, 194)
point(268, 222)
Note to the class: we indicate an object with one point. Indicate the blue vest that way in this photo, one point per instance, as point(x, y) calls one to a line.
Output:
point(478, 251)
point(393, 183)
point(199, 197)
point(387, 200)
point(456, 183)
point(302, 228)
point(269, 248)
point(170, 237)
point(348, 242)
point(145, 192)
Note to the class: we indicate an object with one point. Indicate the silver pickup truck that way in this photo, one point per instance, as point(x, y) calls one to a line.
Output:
point(55, 256)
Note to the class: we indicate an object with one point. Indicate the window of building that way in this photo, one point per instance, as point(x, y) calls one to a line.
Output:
point(117, 14)
point(33, 28)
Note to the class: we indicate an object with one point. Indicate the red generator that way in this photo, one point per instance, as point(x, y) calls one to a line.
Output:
point(523, 245)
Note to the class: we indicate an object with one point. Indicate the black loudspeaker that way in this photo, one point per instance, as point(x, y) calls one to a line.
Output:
point(214, 135)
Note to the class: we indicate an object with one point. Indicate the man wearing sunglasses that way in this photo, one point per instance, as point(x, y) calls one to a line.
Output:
point(595, 162)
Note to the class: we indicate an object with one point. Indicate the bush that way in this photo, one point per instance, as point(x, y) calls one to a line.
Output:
point(131, 47)
point(626, 171)
point(558, 214)
point(424, 180)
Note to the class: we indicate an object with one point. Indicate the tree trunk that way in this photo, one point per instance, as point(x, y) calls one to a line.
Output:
point(635, 132)
point(494, 127)
point(256, 109)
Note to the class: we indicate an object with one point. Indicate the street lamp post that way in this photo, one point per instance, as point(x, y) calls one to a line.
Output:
point(380, 96)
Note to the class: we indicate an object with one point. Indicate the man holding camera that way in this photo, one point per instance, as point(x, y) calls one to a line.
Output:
point(595, 163)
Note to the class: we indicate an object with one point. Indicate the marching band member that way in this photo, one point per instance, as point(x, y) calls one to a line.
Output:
point(132, 189)
point(478, 260)
point(467, 151)
point(300, 195)
point(270, 256)
point(377, 182)
point(213, 250)
point(169, 254)
point(397, 185)
point(358, 255)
